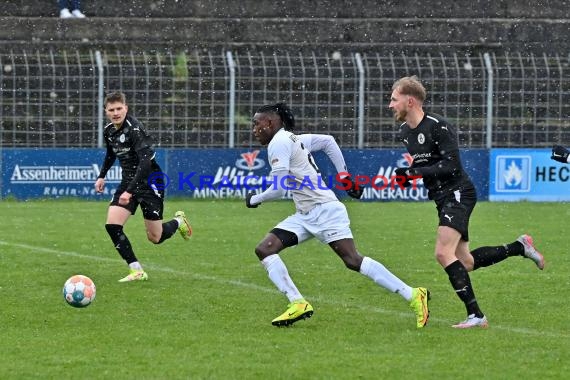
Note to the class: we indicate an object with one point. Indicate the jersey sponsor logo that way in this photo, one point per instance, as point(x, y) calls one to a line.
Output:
point(512, 173)
point(121, 151)
point(421, 157)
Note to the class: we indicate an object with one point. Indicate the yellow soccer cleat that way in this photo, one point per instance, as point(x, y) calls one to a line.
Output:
point(185, 229)
point(419, 303)
point(296, 311)
point(135, 275)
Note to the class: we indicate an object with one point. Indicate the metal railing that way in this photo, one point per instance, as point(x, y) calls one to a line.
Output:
point(206, 98)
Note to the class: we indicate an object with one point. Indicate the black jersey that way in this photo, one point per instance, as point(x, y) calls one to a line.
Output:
point(132, 145)
point(435, 151)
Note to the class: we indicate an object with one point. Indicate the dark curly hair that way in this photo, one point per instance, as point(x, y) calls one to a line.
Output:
point(283, 111)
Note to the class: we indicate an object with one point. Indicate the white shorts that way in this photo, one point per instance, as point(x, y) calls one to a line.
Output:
point(327, 222)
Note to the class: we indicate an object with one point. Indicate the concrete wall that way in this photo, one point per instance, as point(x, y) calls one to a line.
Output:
point(357, 25)
point(298, 8)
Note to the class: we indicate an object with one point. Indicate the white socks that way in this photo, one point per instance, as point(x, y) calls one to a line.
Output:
point(278, 274)
point(372, 269)
point(383, 277)
point(135, 265)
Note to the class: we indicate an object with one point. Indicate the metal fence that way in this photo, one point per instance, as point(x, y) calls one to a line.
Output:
point(207, 98)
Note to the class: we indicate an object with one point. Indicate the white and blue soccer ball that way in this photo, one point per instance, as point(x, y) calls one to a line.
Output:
point(79, 291)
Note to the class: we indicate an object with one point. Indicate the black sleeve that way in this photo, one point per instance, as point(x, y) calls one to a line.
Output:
point(143, 169)
point(110, 158)
point(448, 166)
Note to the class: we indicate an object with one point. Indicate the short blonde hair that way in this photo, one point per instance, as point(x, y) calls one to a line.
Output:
point(410, 86)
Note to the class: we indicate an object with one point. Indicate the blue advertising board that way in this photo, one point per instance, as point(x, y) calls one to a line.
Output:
point(210, 173)
point(220, 173)
point(55, 173)
point(383, 162)
point(527, 175)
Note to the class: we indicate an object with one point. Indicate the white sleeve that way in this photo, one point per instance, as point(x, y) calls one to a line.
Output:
point(275, 189)
point(326, 143)
point(279, 155)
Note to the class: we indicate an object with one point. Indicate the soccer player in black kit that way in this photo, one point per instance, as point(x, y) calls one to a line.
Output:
point(127, 140)
point(432, 142)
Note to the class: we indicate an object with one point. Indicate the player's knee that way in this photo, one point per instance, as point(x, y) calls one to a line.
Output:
point(262, 252)
point(153, 237)
point(442, 256)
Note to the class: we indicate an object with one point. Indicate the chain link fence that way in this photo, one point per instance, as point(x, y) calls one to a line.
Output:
point(206, 99)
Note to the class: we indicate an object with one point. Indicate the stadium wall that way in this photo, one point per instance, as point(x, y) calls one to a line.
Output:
point(365, 25)
point(295, 8)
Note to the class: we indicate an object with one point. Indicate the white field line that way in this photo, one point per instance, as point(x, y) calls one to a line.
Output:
point(326, 300)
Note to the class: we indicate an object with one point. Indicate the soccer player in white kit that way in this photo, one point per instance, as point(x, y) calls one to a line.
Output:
point(319, 213)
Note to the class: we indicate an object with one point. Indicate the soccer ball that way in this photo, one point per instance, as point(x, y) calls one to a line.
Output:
point(79, 291)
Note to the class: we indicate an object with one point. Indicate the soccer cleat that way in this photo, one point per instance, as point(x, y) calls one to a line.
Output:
point(296, 311)
point(135, 275)
point(185, 229)
point(530, 251)
point(419, 303)
point(472, 321)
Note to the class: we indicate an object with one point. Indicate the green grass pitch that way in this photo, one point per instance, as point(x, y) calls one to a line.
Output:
point(205, 312)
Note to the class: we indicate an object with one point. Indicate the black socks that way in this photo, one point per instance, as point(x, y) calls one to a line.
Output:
point(486, 256)
point(460, 281)
point(121, 242)
point(168, 229)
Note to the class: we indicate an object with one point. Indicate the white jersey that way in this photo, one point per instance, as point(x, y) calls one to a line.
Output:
point(287, 152)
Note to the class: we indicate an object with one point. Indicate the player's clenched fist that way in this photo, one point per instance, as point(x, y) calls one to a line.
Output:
point(248, 200)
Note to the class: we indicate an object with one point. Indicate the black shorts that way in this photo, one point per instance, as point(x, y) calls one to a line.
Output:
point(151, 202)
point(454, 210)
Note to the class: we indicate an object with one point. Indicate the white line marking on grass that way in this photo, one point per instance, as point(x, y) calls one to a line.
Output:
point(150, 266)
point(322, 300)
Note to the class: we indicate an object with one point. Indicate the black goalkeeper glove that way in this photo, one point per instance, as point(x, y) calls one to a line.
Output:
point(248, 200)
point(354, 191)
point(560, 154)
point(403, 172)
